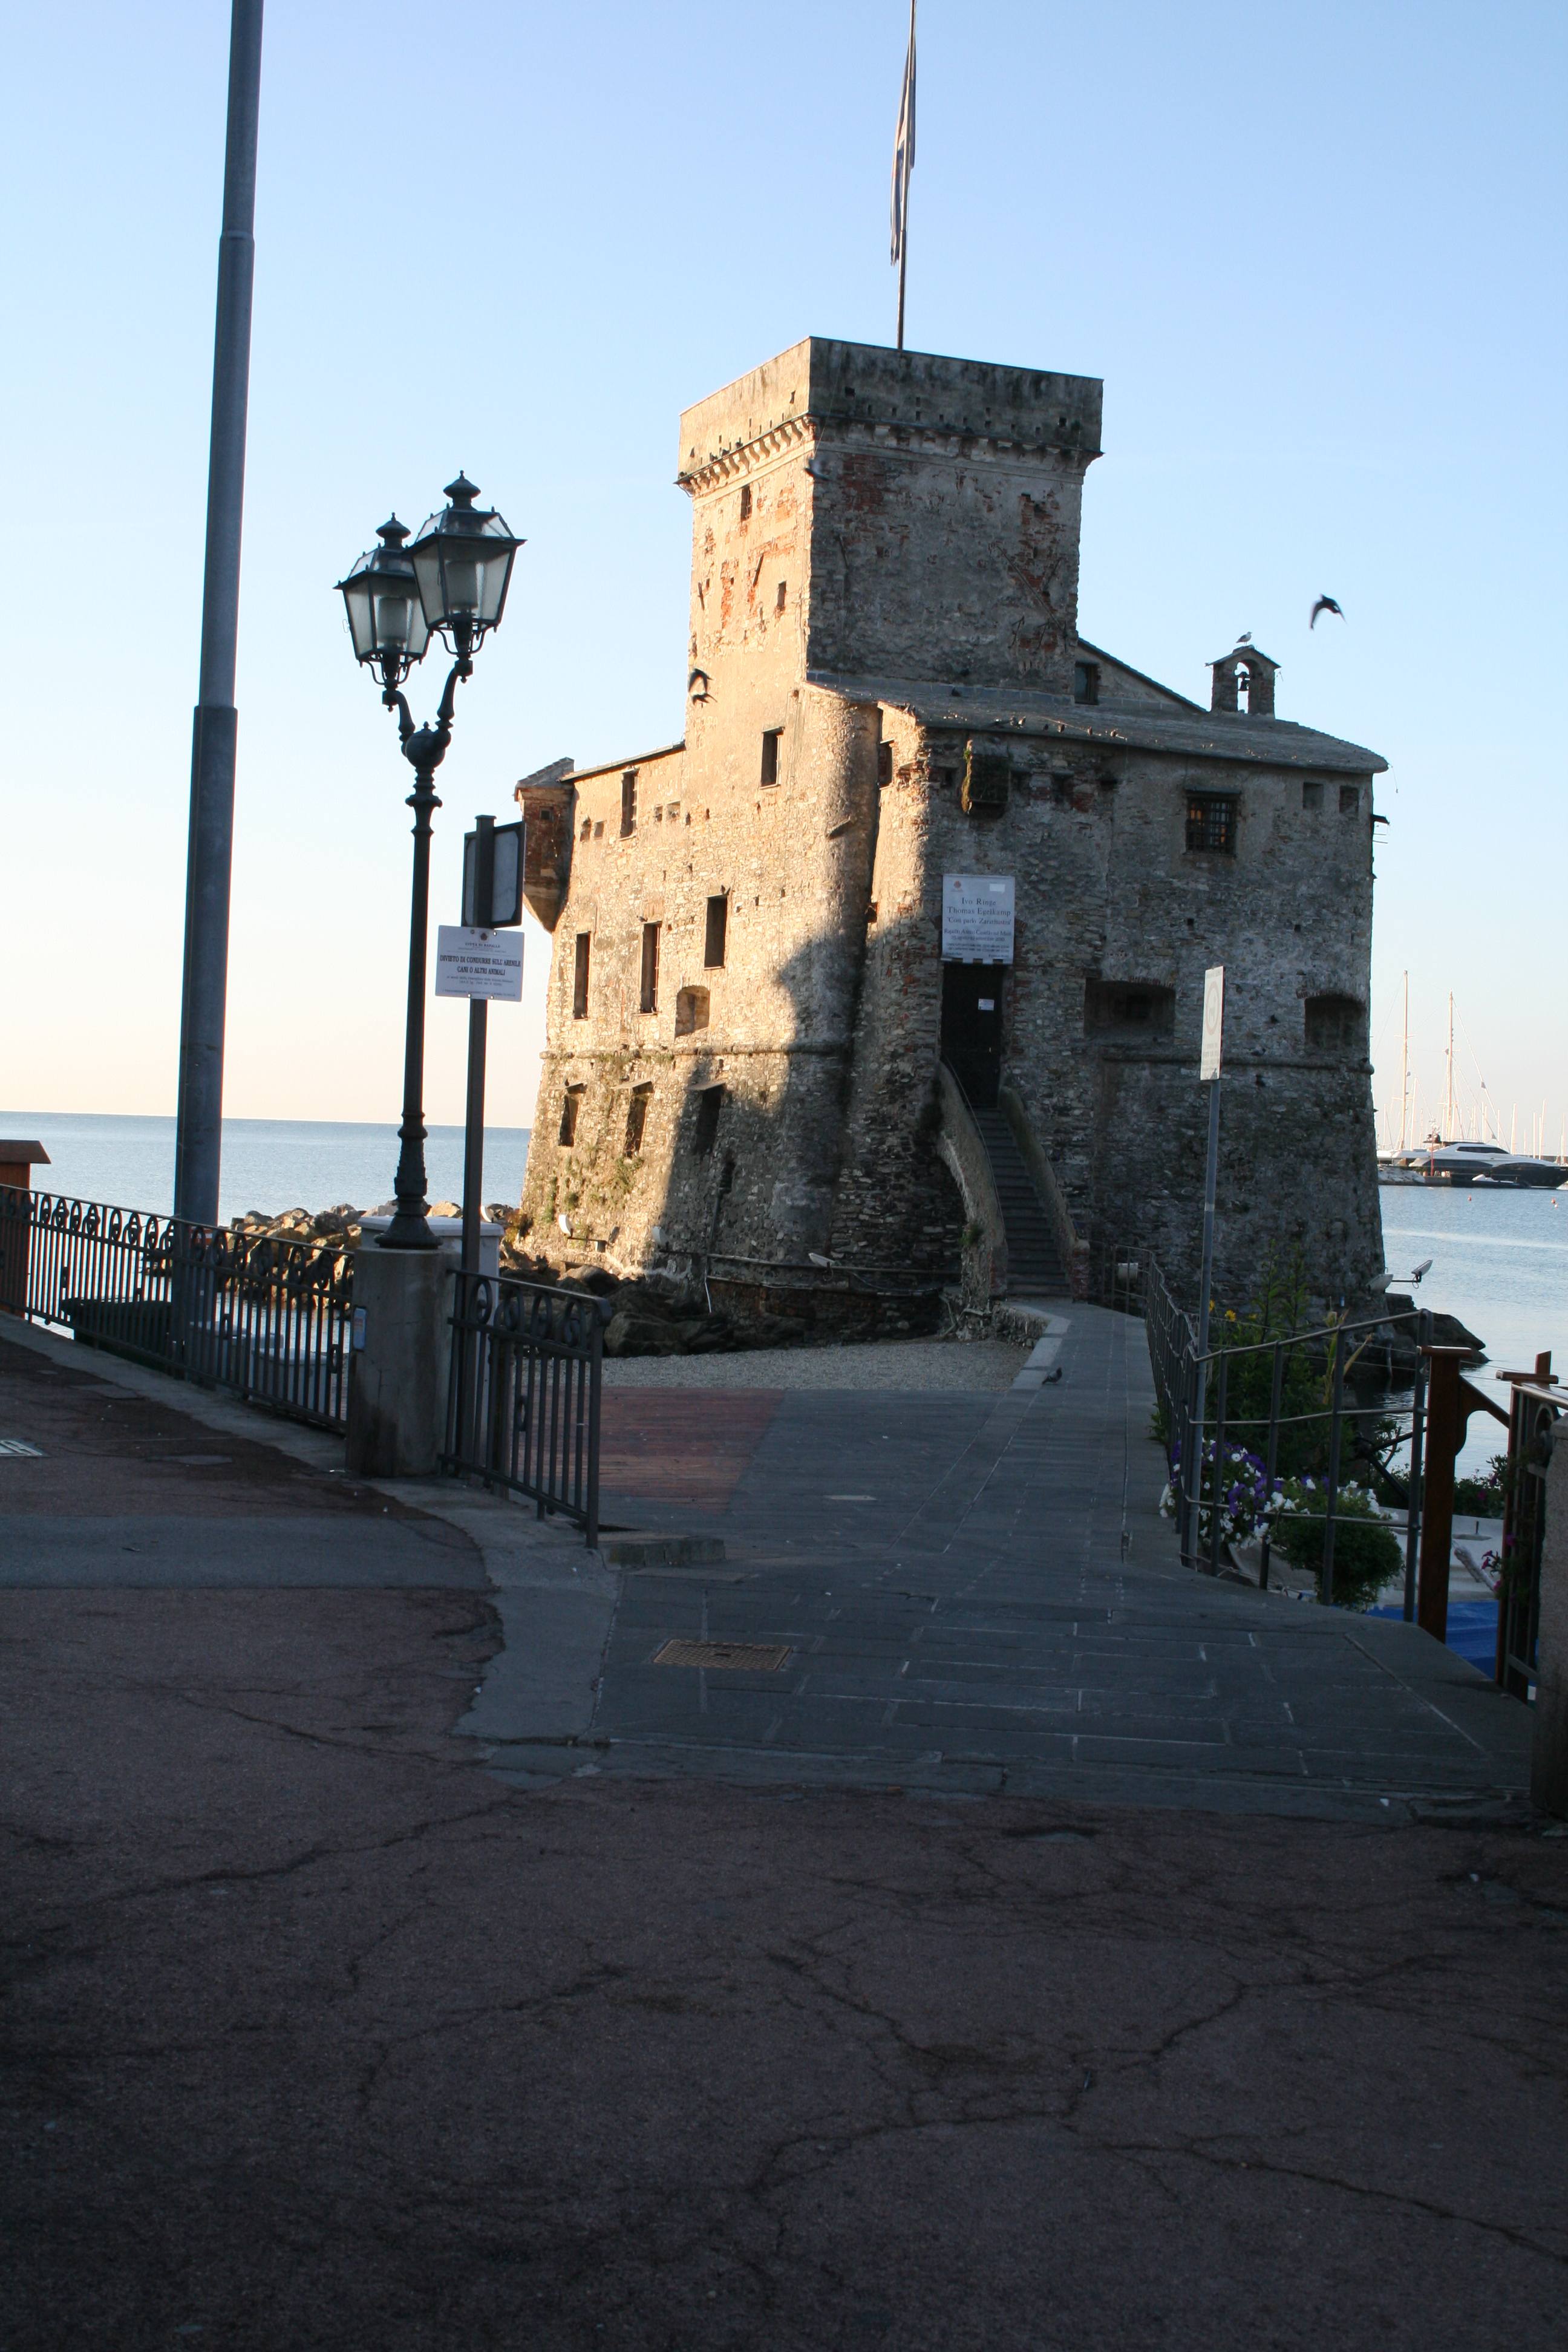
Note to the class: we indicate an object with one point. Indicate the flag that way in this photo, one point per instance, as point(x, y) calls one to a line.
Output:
point(904, 147)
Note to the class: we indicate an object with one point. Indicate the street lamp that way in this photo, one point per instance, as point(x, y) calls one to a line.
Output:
point(452, 583)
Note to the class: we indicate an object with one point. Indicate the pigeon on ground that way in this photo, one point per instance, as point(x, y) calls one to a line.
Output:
point(1323, 604)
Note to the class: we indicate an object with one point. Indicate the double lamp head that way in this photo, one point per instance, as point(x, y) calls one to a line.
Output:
point(451, 581)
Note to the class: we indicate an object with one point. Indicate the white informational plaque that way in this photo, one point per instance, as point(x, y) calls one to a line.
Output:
point(1213, 1021)
point(477, 964)
point(977, 919)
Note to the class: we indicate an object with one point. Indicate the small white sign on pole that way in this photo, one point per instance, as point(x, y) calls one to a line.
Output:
point(477, 964)
point(977, 917)
point(1213, 1021)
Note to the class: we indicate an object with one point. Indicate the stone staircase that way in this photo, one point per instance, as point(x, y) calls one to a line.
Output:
point(1035, 1269)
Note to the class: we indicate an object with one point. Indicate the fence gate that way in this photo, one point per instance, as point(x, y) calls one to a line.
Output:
point(523, 1408)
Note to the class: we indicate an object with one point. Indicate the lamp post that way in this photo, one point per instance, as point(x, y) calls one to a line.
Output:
point(451, 583)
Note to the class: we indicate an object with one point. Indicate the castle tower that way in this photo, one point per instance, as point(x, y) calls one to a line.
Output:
point(767, 1042)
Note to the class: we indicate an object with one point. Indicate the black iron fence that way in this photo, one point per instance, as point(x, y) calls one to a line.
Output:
point(270, 1320)
point(522, 1406)
point(1261, 1432)
point(1230, 1418)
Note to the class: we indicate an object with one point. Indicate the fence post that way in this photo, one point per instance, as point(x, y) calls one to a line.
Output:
point(1192, 1464)
point(1445, 1436)
point(1276, 1393)
point(1331, 1491)
point(1418, 1468)
point(1215, 1532)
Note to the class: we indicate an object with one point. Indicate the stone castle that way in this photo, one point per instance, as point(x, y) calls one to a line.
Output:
point(895, 962)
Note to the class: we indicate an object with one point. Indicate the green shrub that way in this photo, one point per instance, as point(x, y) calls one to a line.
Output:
point(1481, 1499)
point(1366, 1550)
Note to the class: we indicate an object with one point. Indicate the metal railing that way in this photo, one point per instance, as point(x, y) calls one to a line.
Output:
point(1535, 1409)
point(523, 1403)
point(270, 1320)
point(1201, 1420)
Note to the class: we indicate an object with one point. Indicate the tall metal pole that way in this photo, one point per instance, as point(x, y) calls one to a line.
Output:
point(478, 1030)
point(198, 1140)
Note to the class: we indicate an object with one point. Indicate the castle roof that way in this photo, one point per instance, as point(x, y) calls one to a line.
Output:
point(1208, 735)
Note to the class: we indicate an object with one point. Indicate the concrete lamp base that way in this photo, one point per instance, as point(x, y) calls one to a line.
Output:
point(398, 1382)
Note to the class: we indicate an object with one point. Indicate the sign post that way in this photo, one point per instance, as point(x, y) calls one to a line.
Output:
point(1208, 1075)
point(473, 960)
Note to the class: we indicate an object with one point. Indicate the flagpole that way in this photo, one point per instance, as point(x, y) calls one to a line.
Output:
point(905, 162)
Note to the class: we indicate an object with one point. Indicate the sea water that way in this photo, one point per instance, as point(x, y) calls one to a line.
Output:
point(268, 1164)
point(1500, 1263)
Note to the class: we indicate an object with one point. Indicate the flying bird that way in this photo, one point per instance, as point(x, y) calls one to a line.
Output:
point(1324, 604)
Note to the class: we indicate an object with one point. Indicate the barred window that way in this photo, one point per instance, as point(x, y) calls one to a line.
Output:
point(650, 968)
point(629, 802)
point(580, 975)
point(1211, 822)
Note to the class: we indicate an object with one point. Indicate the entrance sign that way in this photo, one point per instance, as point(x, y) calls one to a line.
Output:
point(471, 962)
point(1213, 1021)
point(977, 917)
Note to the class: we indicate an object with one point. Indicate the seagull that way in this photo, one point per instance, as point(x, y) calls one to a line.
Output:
point(1324, 604)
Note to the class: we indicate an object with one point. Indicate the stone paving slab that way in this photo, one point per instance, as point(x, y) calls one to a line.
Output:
point(1005, 1602)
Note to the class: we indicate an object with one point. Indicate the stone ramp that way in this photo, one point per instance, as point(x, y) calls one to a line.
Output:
point(977, 1593)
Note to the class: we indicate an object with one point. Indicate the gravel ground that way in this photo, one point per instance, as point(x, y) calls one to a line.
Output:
point(972, 1364)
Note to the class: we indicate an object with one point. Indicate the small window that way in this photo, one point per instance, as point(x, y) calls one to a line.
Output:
point(1085, 681)
point(987, 781)
point(1336, 1025)
point(587, 831)
point(746, 501)
point(710, 1103)
point(727, 1179)
point(1350, 799)
point(781, 597)
point(718, 927)
point(580, 976)
point(1061, 791)
point(772, 737)
point(598, 828)
point(944, 779)
point(636, 1119)
point(650, 968)
point(1128, 1008)
point(629, 802)
point(884, 763)
point(690, 1011)
point(1211, 822)
point(1311, 793)
point(571, 1103)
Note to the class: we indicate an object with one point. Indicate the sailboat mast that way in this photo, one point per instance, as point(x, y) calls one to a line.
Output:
point(1405, 1069)
point(1448, 1107)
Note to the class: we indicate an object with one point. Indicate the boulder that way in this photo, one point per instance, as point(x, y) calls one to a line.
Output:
point(641, 1334)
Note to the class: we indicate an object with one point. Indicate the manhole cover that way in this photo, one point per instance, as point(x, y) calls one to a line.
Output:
point(731, 1657)
point(19, 1446)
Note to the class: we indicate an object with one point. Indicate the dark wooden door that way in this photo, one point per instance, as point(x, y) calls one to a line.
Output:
point(971, 1028)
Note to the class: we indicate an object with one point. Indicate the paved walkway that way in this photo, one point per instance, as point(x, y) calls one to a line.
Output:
point(319, 2037)
point(977, 1592)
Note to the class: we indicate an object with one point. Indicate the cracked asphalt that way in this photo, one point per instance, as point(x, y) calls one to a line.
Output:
point(319, 2034)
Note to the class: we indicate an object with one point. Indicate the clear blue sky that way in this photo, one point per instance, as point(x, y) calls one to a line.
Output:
point(1315, 251)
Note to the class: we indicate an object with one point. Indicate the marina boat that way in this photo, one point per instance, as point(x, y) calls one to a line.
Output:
point(1478, 1163)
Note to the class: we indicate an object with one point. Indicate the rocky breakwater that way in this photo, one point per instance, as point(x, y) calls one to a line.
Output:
point(657, 1314)
point(651, 1316)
